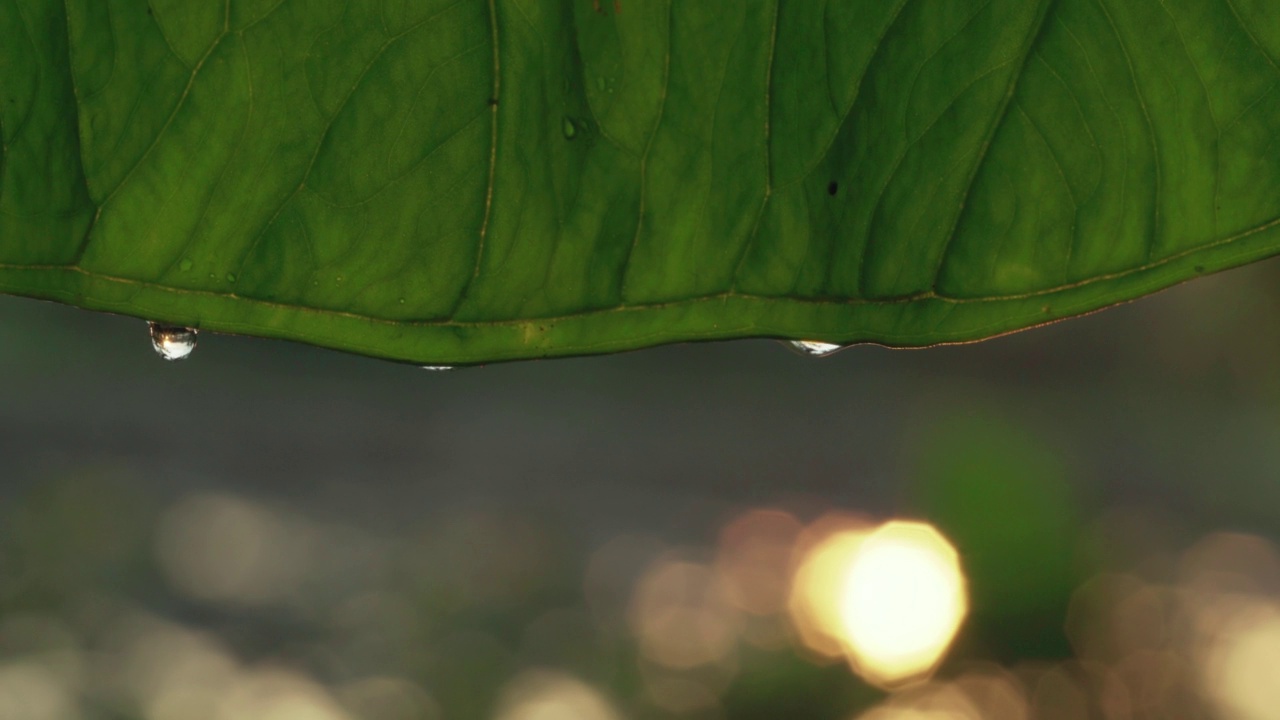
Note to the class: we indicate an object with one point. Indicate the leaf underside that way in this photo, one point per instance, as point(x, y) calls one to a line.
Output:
point(465, 181)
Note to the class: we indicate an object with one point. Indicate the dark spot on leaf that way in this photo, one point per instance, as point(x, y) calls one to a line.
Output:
point(493, 102)
point(833, 188)
point(149, 10)
point(1199, 268)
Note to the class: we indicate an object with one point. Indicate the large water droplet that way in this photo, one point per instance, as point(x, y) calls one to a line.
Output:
point(172, 342)
point(813, 348)
point(437, 368)
point(570, 129)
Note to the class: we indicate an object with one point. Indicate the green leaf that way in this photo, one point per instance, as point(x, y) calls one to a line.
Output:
point(467, 180)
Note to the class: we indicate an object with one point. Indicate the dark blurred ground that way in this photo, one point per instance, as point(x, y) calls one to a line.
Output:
point(274, 531)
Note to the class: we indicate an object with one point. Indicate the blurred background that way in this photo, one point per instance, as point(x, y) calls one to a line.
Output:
point(1074, 522)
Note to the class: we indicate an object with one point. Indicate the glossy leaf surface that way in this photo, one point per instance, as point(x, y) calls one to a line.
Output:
point(465, 181)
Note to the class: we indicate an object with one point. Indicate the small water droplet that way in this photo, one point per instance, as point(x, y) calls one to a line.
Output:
point(172, 342)
point(185, 265)
point(813, 348)
point(437, 368)
point(570, 129)
point(401, 301)
point(231, 277)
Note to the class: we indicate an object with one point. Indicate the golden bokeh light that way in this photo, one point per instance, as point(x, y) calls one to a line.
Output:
point(1231, 598)
point(1228, 562)
point(980, 694)
point(277, 694)
point(933, 702)
point(754, 557)
point(1060, 695)
point(682, 616)
point(1114, 615)
point(173, 673)
point(902, 600)
point(983, 693)
point(891, 599)
point(388, 698)
point(1242, 668)
point(29, 691)
point(681, 695)
point(825, 550)
point(552, 695)
point(227, 549)
point(995, 693)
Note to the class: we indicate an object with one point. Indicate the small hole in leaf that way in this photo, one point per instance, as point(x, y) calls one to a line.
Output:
point(833, 188)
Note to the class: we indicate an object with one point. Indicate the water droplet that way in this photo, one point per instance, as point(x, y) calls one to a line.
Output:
point(813, 348)
point(231, 277)
point(401, 301)
point(172, 342)
point(570, 129)
point(185, 265)
point(437, 368)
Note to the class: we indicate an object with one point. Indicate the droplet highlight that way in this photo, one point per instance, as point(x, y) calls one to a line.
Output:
point(813, 348)
point(570, 129)
point(172, 342)
point(437, 368)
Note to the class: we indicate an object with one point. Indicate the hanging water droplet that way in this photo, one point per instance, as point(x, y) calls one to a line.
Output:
point(437, 368)
point(172, 342)
point(185, 265)
point(813, 348)
point(570, 129)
